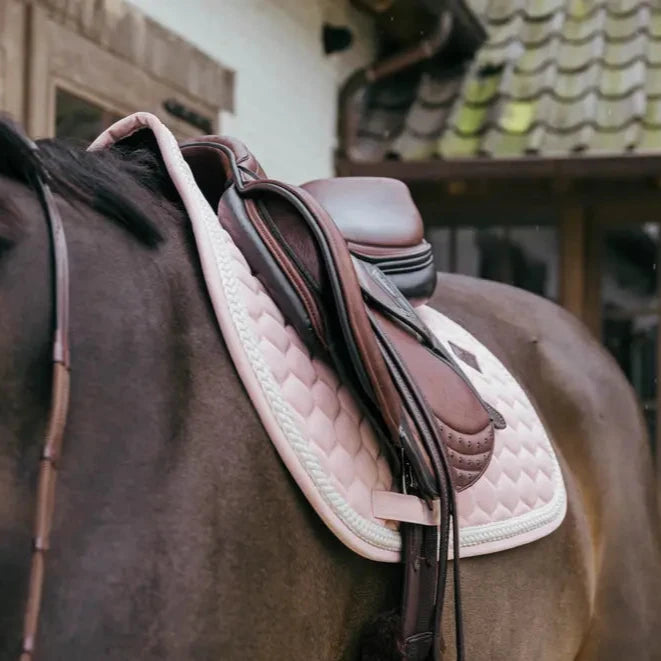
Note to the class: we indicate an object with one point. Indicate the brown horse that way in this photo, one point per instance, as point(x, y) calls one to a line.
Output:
point(178, 532)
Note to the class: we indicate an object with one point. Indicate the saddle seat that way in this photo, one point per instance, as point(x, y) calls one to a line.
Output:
point(381, 225)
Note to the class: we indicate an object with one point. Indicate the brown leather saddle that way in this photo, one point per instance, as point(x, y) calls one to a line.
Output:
point(346, 260)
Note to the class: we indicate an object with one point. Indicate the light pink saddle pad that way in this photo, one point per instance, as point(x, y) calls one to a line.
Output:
point(321, 433)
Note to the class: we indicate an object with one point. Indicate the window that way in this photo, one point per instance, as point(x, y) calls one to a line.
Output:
point(523, 256)
point(78, 118)
point(74, 70)
point(630, 308)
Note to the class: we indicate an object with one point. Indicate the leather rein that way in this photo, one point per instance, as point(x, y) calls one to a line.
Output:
point(59, 407)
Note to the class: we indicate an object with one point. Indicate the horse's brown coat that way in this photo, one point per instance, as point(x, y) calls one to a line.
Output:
point(179, 534)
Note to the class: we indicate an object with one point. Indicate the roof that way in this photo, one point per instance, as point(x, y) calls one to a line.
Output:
point(555, 78)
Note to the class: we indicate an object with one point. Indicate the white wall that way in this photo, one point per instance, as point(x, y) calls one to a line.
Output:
point(285, 87)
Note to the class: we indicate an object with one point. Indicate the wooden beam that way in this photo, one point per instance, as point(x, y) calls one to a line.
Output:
point(453, 250)
point(572, 242)
point(657, 440)
point(593, 274)
point(613, 200)
point(619, 166)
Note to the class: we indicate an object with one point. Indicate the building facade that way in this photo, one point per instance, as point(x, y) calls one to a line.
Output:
point(253, 69)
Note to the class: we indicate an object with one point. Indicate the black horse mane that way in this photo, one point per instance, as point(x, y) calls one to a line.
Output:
point(127, 183)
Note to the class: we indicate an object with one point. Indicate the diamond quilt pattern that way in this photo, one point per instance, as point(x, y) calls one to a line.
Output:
point(337, 430)
point(522, 476)
point(319, 430)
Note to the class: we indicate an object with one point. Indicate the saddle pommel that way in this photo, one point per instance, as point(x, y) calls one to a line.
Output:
point(382, 225)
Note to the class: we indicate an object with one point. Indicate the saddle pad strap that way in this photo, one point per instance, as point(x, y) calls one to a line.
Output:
point(393, 506)
point(421, 637)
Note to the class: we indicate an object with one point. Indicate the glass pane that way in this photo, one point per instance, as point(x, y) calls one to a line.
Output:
point(78, 118)
point(629, 299)
point(523, 256)
point(439, 238)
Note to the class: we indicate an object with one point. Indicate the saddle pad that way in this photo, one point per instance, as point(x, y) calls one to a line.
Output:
point(316, 425)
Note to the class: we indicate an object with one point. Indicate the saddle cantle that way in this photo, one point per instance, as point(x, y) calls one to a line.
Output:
point(325, 277)
point(382, 226)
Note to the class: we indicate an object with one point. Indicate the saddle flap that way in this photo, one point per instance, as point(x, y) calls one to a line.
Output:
point(293, 239)
point(298, 253)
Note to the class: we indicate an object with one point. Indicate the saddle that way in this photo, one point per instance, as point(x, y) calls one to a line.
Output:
point(347, 286)
point(346, 262)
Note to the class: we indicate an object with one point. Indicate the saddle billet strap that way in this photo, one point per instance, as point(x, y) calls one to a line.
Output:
point(421, 607)
point(59, 408)
point(426, 548)
point(418, 601)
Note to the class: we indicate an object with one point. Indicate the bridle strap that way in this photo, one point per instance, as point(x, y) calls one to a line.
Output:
point(61, 276)
point(57, 417)
point(45, 505)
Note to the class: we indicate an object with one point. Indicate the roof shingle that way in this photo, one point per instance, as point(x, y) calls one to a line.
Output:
point(555, 77)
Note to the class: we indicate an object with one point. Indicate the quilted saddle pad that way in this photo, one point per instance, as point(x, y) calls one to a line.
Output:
point(319, 430)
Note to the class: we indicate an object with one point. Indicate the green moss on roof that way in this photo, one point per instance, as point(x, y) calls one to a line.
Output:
point(555, 77)
point(481, 89)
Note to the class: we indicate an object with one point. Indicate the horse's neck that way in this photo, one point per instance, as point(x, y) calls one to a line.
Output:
point(25, 351)
point(135, 474)
point(139, 462)
point(172, 505)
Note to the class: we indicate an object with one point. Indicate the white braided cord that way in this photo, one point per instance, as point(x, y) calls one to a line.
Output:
point(369, 531)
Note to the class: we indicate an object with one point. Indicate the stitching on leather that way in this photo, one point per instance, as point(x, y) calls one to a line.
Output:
point(454, 451)
point(286, 265)
point(376, 382)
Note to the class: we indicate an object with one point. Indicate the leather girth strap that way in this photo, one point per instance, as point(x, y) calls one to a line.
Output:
point(348, 312)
